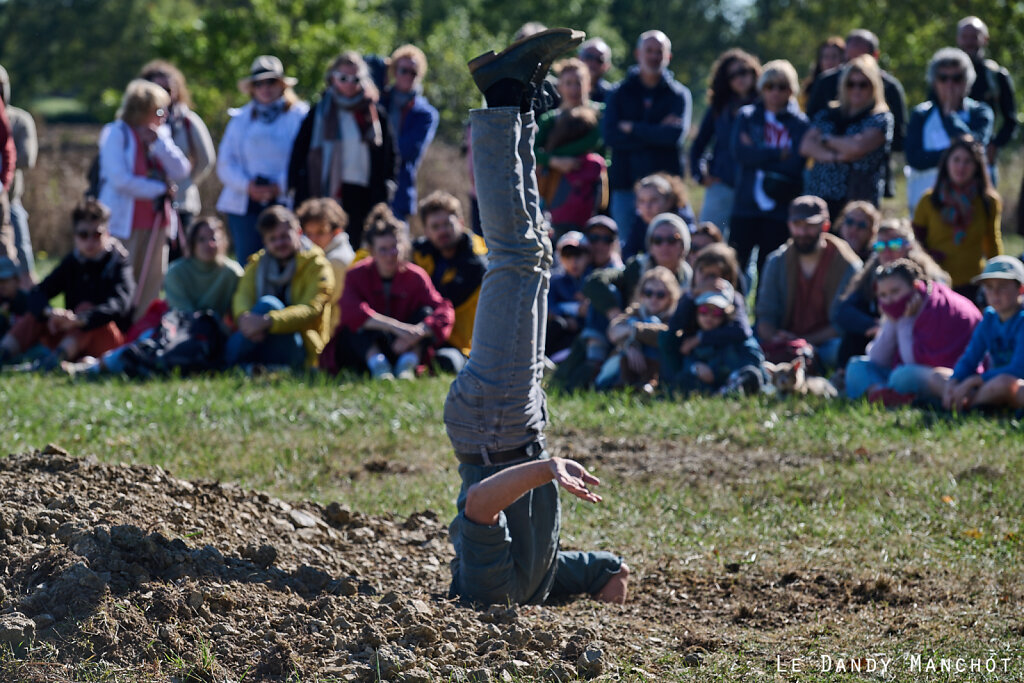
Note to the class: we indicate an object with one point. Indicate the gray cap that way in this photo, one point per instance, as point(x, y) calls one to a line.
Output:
point(7, 268)
point(1002, 268)
point(722, 296)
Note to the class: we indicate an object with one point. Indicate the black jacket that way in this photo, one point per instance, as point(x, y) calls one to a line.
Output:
point(106, 283)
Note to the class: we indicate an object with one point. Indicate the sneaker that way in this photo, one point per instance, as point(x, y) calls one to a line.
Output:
point(405, 368)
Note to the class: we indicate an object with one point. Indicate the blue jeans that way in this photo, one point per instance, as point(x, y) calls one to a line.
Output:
point(862, 374)
point(717, 207)
point(623, 210)
point(22, 240)
point(276, 349)
point(244, 236)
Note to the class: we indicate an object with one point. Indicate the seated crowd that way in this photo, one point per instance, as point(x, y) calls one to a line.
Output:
point(644, 294)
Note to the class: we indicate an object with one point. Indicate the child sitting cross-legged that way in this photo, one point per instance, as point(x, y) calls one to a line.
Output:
point(711, 366)
point(999, 337)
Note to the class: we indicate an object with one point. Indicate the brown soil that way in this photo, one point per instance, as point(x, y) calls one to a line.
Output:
point(129, 566)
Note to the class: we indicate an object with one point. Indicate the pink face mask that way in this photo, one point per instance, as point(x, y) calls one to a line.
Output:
point(896, 309)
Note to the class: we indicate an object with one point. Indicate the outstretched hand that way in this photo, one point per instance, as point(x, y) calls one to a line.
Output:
point(575, 479)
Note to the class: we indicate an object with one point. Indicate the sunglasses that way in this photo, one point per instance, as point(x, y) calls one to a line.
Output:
point(713, 311)
point(768, 87)
point(406, 71)
point(592, 57)
point(266, 82)
point(858, 85)
point(88, 234)
point(655, 294)
point(601, 239)
point(345, 78)
point(860, 225)
point(739, 73)
point(951, 78)
point(894, 244)
point(658, 240)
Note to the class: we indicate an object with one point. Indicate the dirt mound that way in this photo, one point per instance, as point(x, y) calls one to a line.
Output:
point(128, 565)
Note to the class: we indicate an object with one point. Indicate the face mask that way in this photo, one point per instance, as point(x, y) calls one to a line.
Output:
point(896, 309)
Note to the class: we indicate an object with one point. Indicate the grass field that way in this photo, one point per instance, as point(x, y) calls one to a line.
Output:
point(901, 529)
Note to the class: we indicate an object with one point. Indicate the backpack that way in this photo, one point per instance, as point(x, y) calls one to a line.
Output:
point(189, 343)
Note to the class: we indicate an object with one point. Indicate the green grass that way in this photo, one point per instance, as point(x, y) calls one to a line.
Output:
point(694, 491)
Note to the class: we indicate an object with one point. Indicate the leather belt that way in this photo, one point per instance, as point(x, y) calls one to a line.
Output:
point(486, 458)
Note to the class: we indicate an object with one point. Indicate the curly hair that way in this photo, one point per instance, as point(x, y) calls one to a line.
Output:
point(720, 92)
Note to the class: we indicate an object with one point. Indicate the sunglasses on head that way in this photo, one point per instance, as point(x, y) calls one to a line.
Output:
point(658, 240)
point(601, 239)
point(708, 309)
point(858, 85)
point(345, 78)
point(655, 293)
point(859, 224)
point(895, 244)
point(951, 78)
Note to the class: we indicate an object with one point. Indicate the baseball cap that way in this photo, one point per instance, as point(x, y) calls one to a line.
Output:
point(573, 238)
point(809, 209)
point(1002, 268)
point(722, 296)
point(603, 222)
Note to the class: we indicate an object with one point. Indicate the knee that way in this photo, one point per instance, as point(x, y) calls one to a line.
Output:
point(909, 379)
point(266, 304)
point(1002, 386)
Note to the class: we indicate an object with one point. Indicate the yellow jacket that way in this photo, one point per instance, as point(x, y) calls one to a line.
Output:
point(459, 283)
point(310, 308)
point(982, 241)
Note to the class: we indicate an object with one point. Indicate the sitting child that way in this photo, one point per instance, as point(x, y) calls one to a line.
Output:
point(567, 307)
point(1000, 337)
point(635, 331)
point(711, 366)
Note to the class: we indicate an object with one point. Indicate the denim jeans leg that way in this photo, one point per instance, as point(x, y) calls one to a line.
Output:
point(244, 236)
point(22, 240)
point(497, 402)
point(276, 349)
point(623, 210)
point(911, 379)
point(861, 374)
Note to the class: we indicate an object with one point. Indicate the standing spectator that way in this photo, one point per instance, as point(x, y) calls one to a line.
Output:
point(925, 328)
point(831, 54)
point(849, 141)
point(96, 282)
point(413, 122)
point(948, 115)
point(647, 117)
point(999, 339)
point(8, 161)
point(993, 85)
point(140, 168)
point(765, 144)
point(596, 54)
point(26, 144)
point(731, 85)
point(345, 149)
point(392, 317)
point(826, 89)
point(957, 220)
point(802, 280)
point(252, 160)
point(323, 222)
point(191, 136)
point(282, 306)
point(455, 259)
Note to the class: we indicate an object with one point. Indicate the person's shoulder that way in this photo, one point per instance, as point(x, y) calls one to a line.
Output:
point(478, 243)
point(414, 271)
point(421, 103)
point(922, 108)
point(990, 64)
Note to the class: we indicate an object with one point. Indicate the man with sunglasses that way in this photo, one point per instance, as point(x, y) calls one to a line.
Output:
point(97, 284)
point(802, 280)
point(596, 54)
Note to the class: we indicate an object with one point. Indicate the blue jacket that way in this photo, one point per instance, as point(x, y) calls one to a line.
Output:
point(419, 123)
point(978, 124)
point(1002, 341)
point(720, 163)
point(754, 156)
point(652, 146)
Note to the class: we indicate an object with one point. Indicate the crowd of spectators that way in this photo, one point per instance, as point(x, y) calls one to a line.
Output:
point(651, 292)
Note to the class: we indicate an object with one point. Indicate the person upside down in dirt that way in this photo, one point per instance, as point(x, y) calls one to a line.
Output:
point(507, 528)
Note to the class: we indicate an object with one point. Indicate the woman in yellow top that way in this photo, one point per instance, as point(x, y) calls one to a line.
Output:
point(957, 221)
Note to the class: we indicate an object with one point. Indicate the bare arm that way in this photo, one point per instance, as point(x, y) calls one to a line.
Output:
point(486, 499)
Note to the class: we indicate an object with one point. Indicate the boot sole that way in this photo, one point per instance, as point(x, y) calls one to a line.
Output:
point(572, 38)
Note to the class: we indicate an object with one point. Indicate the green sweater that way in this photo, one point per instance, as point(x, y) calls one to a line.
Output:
point(191, 285)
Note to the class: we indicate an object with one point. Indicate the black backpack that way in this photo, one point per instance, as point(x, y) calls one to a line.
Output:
point(189, 343)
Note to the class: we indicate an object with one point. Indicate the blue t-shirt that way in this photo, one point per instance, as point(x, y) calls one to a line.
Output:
point(1002, 341)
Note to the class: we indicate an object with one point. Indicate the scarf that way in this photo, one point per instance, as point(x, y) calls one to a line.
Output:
point(324, 161)
point(399, 103)
point(274, 279)
point(956, 207)
point(268, 113)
